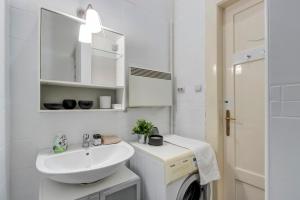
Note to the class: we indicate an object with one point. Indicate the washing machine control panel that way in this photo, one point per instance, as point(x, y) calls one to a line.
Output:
point(180, 167)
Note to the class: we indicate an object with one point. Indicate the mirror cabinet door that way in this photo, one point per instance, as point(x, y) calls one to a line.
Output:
point(59, 47)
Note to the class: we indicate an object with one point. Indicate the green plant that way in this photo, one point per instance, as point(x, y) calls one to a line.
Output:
point(143, 127)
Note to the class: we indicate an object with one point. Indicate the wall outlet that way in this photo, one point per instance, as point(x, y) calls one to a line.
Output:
point(181, 90)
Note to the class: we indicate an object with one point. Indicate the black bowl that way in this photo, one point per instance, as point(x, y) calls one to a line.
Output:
point(85, 104)
point(156, 140)
point(69, 104)
point(53, 106)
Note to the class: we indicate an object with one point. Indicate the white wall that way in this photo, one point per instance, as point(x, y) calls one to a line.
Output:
point(189, 67)
point(4, 141)
point(145, 23)
point(284, 91)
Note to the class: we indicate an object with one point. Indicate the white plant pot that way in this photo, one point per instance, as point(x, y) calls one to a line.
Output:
point(142, 139)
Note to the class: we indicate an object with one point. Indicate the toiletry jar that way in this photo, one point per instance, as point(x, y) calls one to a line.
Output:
point(105, 102)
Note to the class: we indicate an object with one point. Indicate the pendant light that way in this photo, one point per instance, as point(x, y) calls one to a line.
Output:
point(93, 24)
point(93, 20)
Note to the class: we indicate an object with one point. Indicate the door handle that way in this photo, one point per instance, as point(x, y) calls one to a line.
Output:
point(228, 119)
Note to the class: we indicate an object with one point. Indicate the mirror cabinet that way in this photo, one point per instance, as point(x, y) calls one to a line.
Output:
point(70, 70)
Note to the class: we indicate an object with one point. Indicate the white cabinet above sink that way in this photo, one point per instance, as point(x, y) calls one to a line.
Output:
point(70, 69)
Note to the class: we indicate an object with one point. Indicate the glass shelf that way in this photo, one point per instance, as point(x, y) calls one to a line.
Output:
point(106, 54)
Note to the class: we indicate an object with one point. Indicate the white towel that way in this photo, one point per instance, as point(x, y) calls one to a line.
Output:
point(204, 154)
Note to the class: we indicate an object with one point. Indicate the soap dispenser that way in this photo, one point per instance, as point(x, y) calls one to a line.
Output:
point(60, 144)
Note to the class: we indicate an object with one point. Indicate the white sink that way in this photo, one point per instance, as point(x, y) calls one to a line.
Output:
point(84, 165)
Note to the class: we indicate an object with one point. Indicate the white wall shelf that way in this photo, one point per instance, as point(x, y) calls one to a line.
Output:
point(106, 54)
point(82, 110)
point(79, 85)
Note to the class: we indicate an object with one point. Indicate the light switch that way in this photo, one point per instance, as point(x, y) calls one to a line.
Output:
point(198, 88)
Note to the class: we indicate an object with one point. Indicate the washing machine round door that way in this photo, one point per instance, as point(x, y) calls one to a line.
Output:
point(192, 190)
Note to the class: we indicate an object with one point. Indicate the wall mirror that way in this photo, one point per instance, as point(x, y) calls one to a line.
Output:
point(70, 69)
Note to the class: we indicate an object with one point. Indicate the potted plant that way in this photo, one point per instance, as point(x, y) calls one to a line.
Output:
point(143, 129)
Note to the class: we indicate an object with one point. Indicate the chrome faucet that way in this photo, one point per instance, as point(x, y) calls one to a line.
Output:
point(86, 140)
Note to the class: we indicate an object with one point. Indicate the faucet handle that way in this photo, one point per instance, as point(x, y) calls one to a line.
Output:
point(86, 137)
point(85, 140)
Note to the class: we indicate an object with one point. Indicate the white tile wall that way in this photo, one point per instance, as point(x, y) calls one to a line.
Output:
point(291, 92)
point(30, 131)
point(4, 142)
point(284, 118)
point(284, 163)
point(291, 109)
point(275, 93)
point(30, 5)
point(285, 100)
point(23, 154)
point(275, 108)
point(3, 174)
point(189, 67)
point(23, 24)
point(24, 184)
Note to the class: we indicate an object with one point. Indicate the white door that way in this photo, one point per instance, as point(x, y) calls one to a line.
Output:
point(244, 103)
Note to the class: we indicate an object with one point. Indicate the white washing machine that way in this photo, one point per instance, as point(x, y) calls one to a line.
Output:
point(168, 172)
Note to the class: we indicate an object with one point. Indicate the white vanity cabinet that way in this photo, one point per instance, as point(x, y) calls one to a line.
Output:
point(91, 197)
point(126, 191)
point(129, 191)
point(123, 185)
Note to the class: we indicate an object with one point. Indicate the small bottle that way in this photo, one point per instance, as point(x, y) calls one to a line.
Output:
point(97, 139)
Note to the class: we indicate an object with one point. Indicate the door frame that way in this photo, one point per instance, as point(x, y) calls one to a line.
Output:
point(214, 87)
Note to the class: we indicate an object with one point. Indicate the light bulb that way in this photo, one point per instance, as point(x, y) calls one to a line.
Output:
point(85, 36)
point(93, 21)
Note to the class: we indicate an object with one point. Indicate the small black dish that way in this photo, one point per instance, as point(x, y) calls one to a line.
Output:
point(85, 104)
point(53, 106)
point(69, 104)
point(156, 140)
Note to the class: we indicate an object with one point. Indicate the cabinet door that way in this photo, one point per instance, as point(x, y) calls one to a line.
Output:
point(91, 197)
point(129, 192)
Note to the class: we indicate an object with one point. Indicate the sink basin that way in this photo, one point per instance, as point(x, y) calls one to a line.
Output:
point(84, 165)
